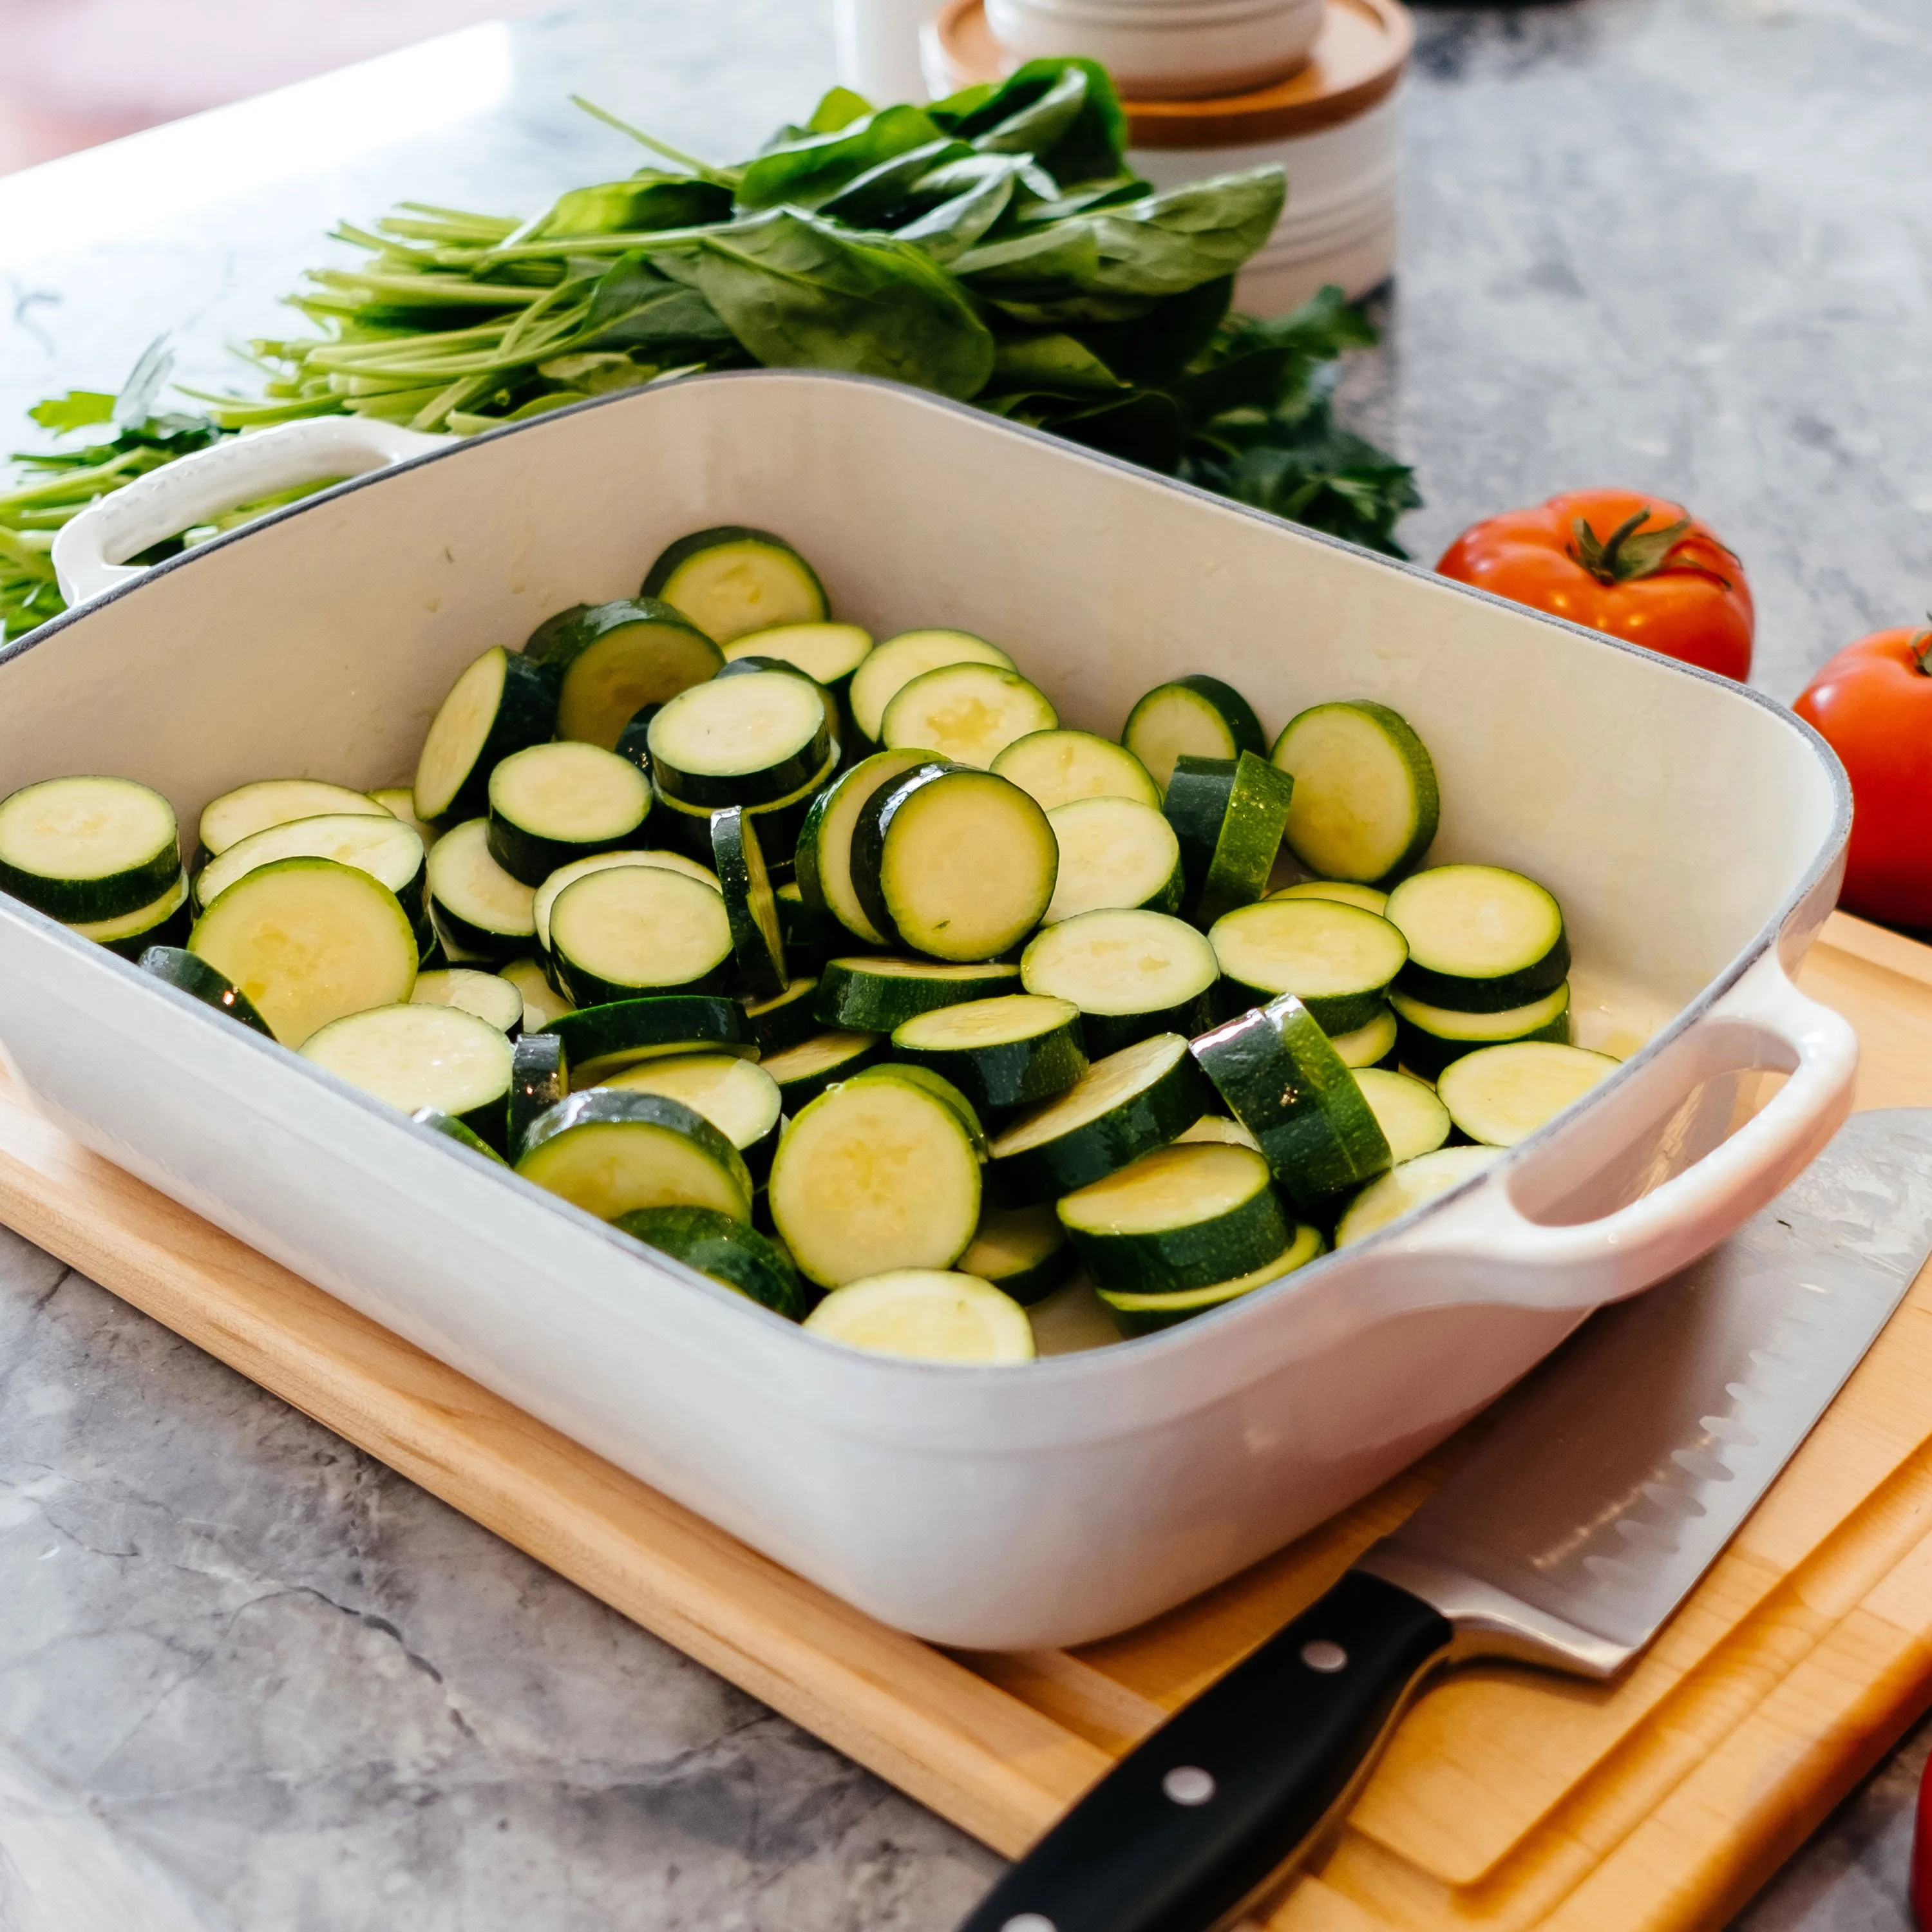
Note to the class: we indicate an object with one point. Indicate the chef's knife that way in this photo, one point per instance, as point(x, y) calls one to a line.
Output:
point(1612, 1477)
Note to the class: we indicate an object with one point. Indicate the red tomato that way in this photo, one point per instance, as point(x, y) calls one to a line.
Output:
point(1640, 569)
point(1873, 704)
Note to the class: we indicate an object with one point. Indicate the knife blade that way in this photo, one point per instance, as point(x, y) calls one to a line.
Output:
point(1613, 1477)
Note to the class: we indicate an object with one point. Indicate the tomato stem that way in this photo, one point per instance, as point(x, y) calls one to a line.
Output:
point(1921, 648)
point(1626, 557)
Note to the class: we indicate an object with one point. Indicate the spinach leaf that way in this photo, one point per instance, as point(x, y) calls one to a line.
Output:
point(1055, 363)
point(808, 173)
point(1157, 345)
point(633, 306)
point(837, 107)
point(77, 409)
point(1063, 112)
point(949, 228)
point(647, 200)
point(881, 194)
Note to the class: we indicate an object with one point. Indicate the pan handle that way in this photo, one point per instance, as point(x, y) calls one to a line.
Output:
point(1762, 1022)
point(88, 551)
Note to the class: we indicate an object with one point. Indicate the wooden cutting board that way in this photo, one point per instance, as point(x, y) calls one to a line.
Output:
point(1509, 1799)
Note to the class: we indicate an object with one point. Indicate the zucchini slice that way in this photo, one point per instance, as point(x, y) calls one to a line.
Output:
point(1366, 803)
point(953, 862)
point(451, 1128)
point(937, 1085)
point(891, 665)
point(308, 941)
point(1123, 1107)
point(612, 1153)
point(1500, 1095)
point(1132, 973)
point(932, 1314)
point(1197, 716)
point(966, 713)
point(1430, 1038)
point(751, 906)
point(749, 740)
point(1337, 959)
point(383, 847)
point(1115, 854)
point(1480, 940)
point(779, 822)
point(733, 1255)
point(824, 850)
point(1177, 1218)
point(542, 1002)
point(1010, 1052)
point(1279, 1076)
point(479, 910)
point(400, 802)
point(873, 1175)
point(828, 654)
point(250, 808)
point(88, 849)
point(633, 742)
point(1143, 1314)
point(188, 973)
point(1344, 892)
point(485, 994)
point(1372, 1044)
point(811, 937)
point(805, 1071)
point(613, 659)
point(1413, 1120)
point(1228, 814)
point(785, 1019)
point(539, 1078)
point(737, 1096)
point(550, 805)
point(1055, 767)
point(501, 704)
point(414, 1056)
point(631, 931)
point(1409, 1185)
point(876, 995)
point(1218, 1129)
point(602, 862)
point(1023, 1251)
point(730, 579)
point(164, 923)
point(600, 1041)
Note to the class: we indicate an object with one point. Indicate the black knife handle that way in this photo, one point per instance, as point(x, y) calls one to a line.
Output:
point(1197, 1820)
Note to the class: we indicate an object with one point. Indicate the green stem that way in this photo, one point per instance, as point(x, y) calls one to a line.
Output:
point(702, 169)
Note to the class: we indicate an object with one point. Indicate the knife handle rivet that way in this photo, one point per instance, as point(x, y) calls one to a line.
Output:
point(1325, 1657)
point(1029, 1921)
point(1188, 1784)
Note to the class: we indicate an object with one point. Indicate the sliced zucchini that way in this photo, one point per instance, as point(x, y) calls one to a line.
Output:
point(966, 713)
point(400, 802)
point(480, 912)
point(580, 868)
point(1370, 1044)
point(485, 994)
point(1408, 1186)
point(730, 580)
point(612, 1153)
point(876, 995)
point(785, 1018)
point(779, 822)
point(550, 805)
point(1197, 716)
point(164, 923)
point(735, 1256)
point(1124, 1106)
point(930, 1314)
point(600, 1041)
point(1430, 1038)
point(824, 851)
point(633, 742)
point(501, 703)
point(1480, 940)
point(811, 937)
point(746, 663)
point(751, 906)
point(188, 973)
point(1218, 1129)
point(828, 654)
point(632, 931)
point(1279, 1076)
point(451, 1128)
point(1010, 1052)
point(1500, 1095)
point(1345, 892)
point(737, 1096)
point(937, 1085)
point(1177, 1218)
point(539, 1078)
point(1228, 814)
point(954, 862)
point(542, 1002)
point(1023, 1251)
point(383, 847)
point(613, 659)
point(873, 1175)
point(1055, 767)
point(891, 665)
point(250, 808)
point(1115, 854)
point(749, 740)
point(805, 1071)
point(308, 941)
point(87, 848)
point(1143, 1314)
point(1337, 959)
point(1132, 973)
point(1365, 803)
point(1413, 1120)
point(412, 1057)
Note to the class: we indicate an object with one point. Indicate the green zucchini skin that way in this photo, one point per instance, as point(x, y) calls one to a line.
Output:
point(525, 715)
point(1137, 1314)
point(657, 579)
point(621, 1032)
point(170, 925)
point(633, 742)
point(1471, 993)
point(855, 997)
point(1047, 1258)
point(558, 651)
point(451, 1128)
point(1498, 995)
point(811, 936)
point(785, 1019)
point(1108, 1033)
point(997, 1078)
point(816, 861)
point(611, 1107)
point(1241, 728)
point(757, 944)
point(1424, 1052)
point(530, 856)
point(1228, 814)
point(1279, 1076)
point(869, 837)
point(800, 1080)
point(188, 973)
point(539, 1078)
point(738, 1257)
point(779, 825)
point(110, 896)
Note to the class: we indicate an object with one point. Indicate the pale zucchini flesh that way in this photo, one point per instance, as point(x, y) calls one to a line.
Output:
point(1430, 1038)
point(614, 659)
point(1409, 1186)
point(1370, 1044)
point(827, 653)
point(400, 802)
point(547, 893)
point(894, 662)
point(635, 930)
point(1337, 959)
point(414, 1056)
point(87, 848)
point(966, 713)
point(488, 996)
point(163, 922)
point(748, 740)
point(501, 704)
point(1413, 1120)
point(1345, 892)
point(612, 1153)
point(825, 842)
point(803, 1071)
point(382, 846)
point(1116, 854)
point(731, 580)
point(1366, 803)
point(1480, 938)
point(552, 804)
point(1055, 767)
point(475, 903)
point(1500, 1095)
point(1196, 715)
point(250, 808)
point(1023, 1252)
point(928, 1314)
point(1131, 973)
point(542, 1002)
point(1008, 1052)
point(737, 1096)
point(1141, 1314)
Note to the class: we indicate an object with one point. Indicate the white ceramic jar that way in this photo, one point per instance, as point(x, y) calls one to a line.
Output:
point(1166, 49)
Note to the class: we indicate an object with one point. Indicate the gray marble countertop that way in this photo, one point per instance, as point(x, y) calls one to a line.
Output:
point(251, 1680)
